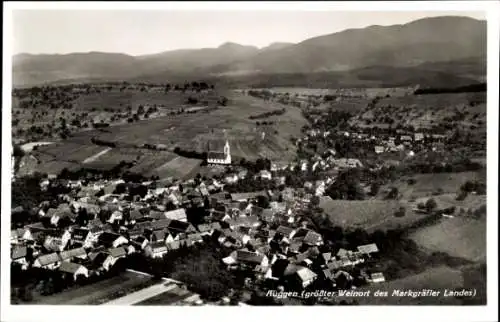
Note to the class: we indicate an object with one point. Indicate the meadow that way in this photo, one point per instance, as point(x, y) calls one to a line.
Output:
point(432, 183)
point(369, 215)
point(458, 236)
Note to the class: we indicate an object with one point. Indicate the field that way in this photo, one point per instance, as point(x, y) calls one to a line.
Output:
point(100, 292)
point(364, 92)
point(427, 184)
point(178, 167)
point(424, 111)
point(437, 278)
point(369, 215)
point(187, 131)
point(459, 237)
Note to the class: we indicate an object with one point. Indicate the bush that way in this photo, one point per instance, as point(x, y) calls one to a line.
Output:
point(401, 212)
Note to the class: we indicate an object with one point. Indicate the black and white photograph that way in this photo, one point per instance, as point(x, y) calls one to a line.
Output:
point(249, 156)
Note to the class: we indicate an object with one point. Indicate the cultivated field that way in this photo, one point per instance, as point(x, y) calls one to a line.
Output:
point(438, 278)
point(177, 167)
point(459, 237)
point(192, 131)
point(100, 292)
point(369, 215)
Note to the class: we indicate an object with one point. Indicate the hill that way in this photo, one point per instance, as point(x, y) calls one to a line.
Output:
point(426, 40)
point(435, 43)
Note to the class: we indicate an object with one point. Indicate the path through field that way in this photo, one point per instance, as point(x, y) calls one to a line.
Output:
point(95, 156)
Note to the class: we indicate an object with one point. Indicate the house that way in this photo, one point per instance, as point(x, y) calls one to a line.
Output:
point(74, 270)
point(108, 239)
point(264, 174)
point(406, 138)
point(177, 214)
point(247, 195)
point(135, 215)
point(379, 149)
point(419, 136)
point(286, 232)
point(18, 256)
point(313, 239)
point(377, 278)
point(102, 261)
point(156, 249)
point(231, 178)
point(248, 221)
point(156, 215)
point(84, 237)
point(368, 249)
point(247, 258)
point(208, 229)
point(347, 163)
point(72, 253)
point(305, 276)
point(22, 234)
point(276, 166)
point(158, 224)
point(115, 216)
point(57, 240)
point(49, 261)
point(267, 215)
point(140, 242)
point(177, 227)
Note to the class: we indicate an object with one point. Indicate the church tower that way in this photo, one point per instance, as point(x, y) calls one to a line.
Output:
point(227, 152)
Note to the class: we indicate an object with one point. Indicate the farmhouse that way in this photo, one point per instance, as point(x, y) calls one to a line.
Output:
point(156, 250)
point(178, 214)
point(220, 157)
point(74, 269)
point(49, 261)
point(72, 253)
point(305, 276)
point(18, 255)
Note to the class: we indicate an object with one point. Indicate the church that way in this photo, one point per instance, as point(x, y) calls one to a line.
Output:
point(220, 157)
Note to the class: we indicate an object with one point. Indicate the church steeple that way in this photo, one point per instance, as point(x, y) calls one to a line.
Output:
point(227, 150)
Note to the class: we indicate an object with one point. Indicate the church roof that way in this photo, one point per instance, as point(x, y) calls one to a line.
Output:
point(216, 145)
point(216, 155)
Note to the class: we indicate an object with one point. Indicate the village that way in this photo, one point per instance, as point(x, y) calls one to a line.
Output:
point(258, 213)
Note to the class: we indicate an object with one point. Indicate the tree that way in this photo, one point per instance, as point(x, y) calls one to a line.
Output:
point(430, 205)
point(374, 188)
point(393, 193)
point(315, 201)
point(263, 201)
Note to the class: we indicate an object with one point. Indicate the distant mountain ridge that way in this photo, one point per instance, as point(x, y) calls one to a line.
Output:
point(437, 40)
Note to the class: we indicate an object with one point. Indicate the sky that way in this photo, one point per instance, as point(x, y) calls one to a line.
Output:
point(141, 32)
